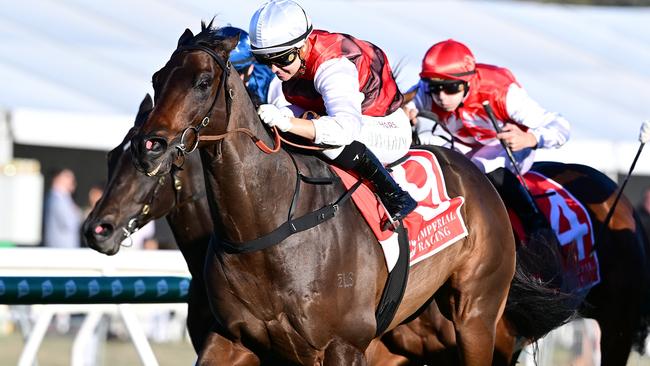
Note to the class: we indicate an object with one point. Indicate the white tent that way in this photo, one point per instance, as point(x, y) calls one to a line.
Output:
point(94, 60)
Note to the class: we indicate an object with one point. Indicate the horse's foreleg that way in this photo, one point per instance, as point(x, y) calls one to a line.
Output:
point(377, 354)
point(340, 353)
point(221, 351)
point(199, 316)
point(615, 341)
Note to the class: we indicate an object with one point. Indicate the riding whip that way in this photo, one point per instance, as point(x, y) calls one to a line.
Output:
point(490, 113)
point(644, 136)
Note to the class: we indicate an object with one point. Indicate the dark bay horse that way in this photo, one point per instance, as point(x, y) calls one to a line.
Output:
point(132, 199)
point(620, 303)
point(285, 304)
point(180, 197)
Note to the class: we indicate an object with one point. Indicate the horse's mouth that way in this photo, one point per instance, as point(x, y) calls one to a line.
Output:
point(155, 171)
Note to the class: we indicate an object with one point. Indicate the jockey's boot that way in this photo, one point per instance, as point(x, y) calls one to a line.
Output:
point(516, 197)
point(362, 162)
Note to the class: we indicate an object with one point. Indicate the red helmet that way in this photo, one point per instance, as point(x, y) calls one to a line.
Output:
point(448, 60)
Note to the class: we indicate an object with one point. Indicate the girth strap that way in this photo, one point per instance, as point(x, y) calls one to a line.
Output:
point(288, 228)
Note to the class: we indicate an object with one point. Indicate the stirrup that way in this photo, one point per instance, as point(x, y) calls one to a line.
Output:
point(389, 223)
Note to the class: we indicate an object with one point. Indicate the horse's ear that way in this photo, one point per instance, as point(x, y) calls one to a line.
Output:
point(229, 43)
point(145, 107)
point(409, 96)
point(185, 37)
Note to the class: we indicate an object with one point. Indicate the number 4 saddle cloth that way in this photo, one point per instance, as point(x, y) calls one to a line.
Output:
point(571, 223)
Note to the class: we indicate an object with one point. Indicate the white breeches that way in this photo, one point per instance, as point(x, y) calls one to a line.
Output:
point(389, 137)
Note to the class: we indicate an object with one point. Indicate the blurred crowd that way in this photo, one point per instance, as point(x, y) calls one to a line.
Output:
point(62, 217)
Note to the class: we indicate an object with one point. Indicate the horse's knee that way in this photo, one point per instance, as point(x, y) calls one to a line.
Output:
point(218, 350)
point(342, 353)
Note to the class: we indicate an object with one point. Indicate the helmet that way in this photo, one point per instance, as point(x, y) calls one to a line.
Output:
point(240, 57)
point(278, 26)
point(448, 60)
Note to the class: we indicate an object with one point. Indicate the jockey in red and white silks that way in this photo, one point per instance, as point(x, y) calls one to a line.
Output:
point(349, 82)
point(514, 110)
point(345, 80)
point(454, 87)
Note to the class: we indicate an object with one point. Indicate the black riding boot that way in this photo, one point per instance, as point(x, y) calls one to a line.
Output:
point(360, 160)
point(514, 195)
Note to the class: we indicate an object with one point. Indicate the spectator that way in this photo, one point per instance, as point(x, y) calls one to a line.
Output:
point(94, 194)
point(62, 217)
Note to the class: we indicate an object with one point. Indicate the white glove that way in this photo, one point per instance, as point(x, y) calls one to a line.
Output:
point(273, 116)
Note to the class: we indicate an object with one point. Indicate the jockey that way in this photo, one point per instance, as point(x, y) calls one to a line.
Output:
point(346, 81)
point(260, 81)
point(453, 86)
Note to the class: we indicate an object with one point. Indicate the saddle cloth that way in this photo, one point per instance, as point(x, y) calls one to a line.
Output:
point(570, 222)
point(434, 225)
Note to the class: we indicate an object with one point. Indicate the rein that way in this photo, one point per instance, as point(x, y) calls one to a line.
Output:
point(195, 130)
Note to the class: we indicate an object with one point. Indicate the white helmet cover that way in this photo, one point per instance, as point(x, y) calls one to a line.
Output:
point(279, 25)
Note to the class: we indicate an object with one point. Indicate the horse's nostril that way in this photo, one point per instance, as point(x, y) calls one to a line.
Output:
point(103, 230)
point(155, 145)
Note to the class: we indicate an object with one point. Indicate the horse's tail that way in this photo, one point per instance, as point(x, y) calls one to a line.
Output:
point(535, 307)
point(644, 323)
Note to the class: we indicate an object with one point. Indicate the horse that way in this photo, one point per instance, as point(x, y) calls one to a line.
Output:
point(285, 304)
point(620, 302)
point(131, 199)
point(181, 198)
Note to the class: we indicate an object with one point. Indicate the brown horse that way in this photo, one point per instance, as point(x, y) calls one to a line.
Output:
point(132, 199)
point(181, 198)
point(285, 304)
point(620, 303)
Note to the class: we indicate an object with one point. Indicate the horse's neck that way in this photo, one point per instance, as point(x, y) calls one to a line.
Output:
point(252, 190)
point(190, 219)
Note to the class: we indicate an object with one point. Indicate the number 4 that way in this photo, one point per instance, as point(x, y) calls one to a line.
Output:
point(577, 230)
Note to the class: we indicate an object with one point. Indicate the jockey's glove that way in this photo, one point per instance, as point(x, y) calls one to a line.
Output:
point(274, 116)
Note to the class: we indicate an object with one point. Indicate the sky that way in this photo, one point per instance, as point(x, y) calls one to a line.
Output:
point(96, 58)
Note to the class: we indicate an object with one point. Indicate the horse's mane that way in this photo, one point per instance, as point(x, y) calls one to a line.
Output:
point(210, 36)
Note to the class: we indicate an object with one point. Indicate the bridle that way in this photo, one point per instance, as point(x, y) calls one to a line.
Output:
point(132, 225)
point(225, 67)
point(184, 148)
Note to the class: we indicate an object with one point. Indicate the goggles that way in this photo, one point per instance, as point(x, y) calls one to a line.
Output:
point(280, 59)
point(447, 86)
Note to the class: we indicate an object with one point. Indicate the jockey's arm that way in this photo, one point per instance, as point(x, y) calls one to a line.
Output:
point(549, 129)
point(337, 81)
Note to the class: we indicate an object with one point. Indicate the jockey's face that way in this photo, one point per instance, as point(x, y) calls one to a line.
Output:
point(448, 96)
point(285, 73)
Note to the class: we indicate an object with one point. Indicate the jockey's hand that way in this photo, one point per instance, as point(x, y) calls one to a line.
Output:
point(273, 116)
point(411, 113)
point(516, 138)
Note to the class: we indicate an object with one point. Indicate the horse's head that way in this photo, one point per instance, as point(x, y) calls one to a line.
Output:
point(191, 96)
point(130, 199)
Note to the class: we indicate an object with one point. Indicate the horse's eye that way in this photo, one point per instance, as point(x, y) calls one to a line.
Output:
point(203, 83)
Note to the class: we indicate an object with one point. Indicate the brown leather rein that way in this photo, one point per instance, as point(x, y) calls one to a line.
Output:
point(277, 140)
point(225, 66)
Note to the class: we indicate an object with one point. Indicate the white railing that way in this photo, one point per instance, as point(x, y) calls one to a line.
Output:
point(85, 262)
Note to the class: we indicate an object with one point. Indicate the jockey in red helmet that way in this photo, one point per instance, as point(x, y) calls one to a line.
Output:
point(345, 80)
point(453, 86)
